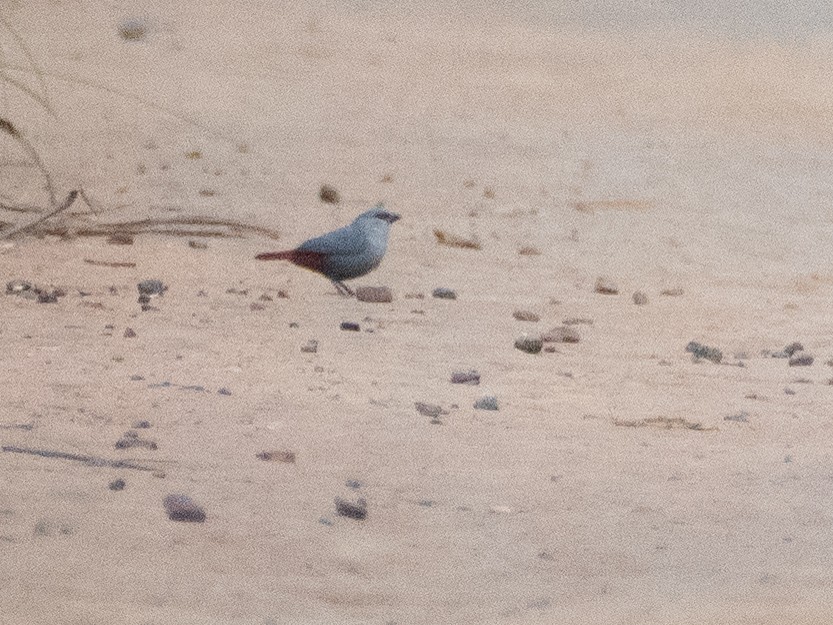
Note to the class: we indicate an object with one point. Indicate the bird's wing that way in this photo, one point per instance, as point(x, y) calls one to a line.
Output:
point(345, 241)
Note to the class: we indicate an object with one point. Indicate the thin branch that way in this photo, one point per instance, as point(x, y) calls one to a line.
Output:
point(64, 205)
point(10, 129)
point(94, 461)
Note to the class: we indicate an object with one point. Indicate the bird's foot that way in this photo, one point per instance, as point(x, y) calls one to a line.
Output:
point(343, 289)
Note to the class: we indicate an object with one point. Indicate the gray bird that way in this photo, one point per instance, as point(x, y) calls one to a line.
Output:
point(346, 253)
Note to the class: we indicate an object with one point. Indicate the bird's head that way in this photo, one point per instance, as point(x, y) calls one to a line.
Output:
point(379, 212)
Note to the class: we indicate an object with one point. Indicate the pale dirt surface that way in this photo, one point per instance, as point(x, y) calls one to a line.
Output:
point(662, 158)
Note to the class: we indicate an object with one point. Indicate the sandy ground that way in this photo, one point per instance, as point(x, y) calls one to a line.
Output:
point(664, 157)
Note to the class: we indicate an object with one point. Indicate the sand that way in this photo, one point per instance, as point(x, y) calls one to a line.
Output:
point(608, 488)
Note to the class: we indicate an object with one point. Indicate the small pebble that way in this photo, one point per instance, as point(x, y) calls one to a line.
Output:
point(800, 359)
point(487, 402)
point(311, 347)
point(640, 298)
point(287, 457)
point(223, 391)
point(562, 334)
point(740, 417)
point(374, 294)
point(470, 377)
point(793, 347)
point(197, 245)
point(352, 510)
point(151, 287)
point(429, 410)
point(788, 391)
point(133, 29)
point(117, 484)
point(129, 333)
point(16, 287)
point(350, 326)
point(606, 286)
point(698, 350)
point(443, 293)
point(529, 344)
point(183, 508)
point(526, 315)
point(328, 194)
point(578, 321)
point(353, 484)
point(141, 425)
point(131, 439)
point(673, 292)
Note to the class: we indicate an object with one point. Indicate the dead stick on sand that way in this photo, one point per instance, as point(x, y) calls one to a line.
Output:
point(64, 205)
point(94, 461)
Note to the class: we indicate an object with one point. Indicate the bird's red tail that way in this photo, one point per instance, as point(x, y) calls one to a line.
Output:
point(310, 260)
point(288, 255)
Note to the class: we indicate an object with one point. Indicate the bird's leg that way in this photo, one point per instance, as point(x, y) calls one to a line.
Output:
point(343, 289)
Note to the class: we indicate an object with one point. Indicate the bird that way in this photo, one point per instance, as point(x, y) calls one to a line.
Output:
point(346, 253)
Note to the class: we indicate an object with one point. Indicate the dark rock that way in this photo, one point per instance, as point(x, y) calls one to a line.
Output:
point(117, 484)
point(672, 292)
point(129, 333)
point(800, 359)
point(529, 344)
point(487, 402)
point(353, 484)
point(151, 287)
point(350, 326)
point(328, 194)
point(182, 508)
point(443, 293)
point(352, 510)
point(223, 391)
point(640, 298)
point(141, 425)
point(311, 347)
point(470, 377)
point(792, 348)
